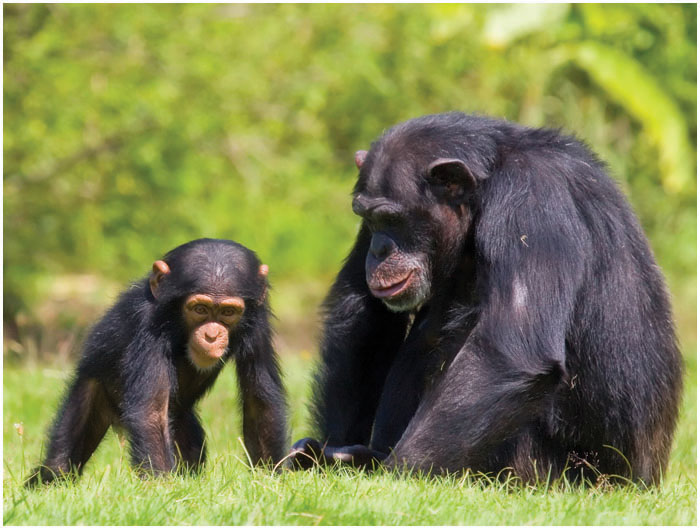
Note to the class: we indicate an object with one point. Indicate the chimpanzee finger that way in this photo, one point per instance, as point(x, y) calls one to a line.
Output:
point(358, 456)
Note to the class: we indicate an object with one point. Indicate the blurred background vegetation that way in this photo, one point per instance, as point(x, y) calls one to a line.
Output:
point(130, 129)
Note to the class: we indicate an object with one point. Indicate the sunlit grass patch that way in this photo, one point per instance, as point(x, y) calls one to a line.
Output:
point(227, 492)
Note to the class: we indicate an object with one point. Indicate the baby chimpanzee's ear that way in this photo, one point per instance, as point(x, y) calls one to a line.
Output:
point(160, 270)
point(262, 272)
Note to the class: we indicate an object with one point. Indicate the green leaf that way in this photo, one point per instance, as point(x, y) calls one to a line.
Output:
point(506, 24)
point(629, 84)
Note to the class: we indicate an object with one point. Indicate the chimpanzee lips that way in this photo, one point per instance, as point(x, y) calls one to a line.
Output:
point(213, 352)
point(384, 291)
point(206, 355)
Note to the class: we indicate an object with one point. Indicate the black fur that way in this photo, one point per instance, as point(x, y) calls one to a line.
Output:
point(542, 337)
point(134, 372)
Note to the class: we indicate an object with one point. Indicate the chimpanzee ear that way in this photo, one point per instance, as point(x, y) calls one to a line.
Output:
point(451, 170)
point(262, 272)
point(160, 270)
point(450, 179)
point(360, 158)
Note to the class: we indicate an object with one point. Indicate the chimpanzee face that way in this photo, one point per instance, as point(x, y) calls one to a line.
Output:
point(218, 283)
point(398, 264)
point(210, 320)
point(416, 213)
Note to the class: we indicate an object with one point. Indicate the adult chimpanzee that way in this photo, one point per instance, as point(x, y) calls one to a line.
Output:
point(501, 308)
point(159, 349)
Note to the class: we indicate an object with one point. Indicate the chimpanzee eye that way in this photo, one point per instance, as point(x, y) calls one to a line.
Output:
point(200, 309)
point(229, 311)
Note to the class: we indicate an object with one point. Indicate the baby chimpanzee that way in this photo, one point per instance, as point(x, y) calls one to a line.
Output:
point(159, 349)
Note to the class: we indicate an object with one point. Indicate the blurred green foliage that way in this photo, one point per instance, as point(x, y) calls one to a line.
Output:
point(129, 129)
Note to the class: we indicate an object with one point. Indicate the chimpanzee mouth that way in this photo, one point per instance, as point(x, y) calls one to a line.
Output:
point(214, 354)
point(204, 359)
point(390, 291)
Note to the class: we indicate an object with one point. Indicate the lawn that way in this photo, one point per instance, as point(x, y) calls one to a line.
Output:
point(228, 493)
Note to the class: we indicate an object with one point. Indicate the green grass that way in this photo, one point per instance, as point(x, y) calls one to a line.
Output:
point(228, 493)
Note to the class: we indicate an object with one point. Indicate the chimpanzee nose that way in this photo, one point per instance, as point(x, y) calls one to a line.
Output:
point(381, 245)
point(211, 336)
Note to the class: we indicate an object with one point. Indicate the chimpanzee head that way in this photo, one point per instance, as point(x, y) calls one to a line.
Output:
point(415, 194)
point(212, 285)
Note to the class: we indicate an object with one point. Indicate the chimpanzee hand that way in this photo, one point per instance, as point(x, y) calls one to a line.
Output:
point(358, 456)
point(307, 452)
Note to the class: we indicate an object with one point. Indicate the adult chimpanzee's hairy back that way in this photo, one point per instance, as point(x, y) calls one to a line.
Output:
point(500, 308)
point(621, 354)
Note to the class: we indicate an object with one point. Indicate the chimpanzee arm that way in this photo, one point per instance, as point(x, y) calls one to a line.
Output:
point(403, 389)
point(147, 380)
point(361, 338)
point(533, 250)
point(188, 436)
point(262, 393)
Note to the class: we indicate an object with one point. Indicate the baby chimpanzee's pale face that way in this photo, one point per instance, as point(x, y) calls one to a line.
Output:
point(210, 320)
